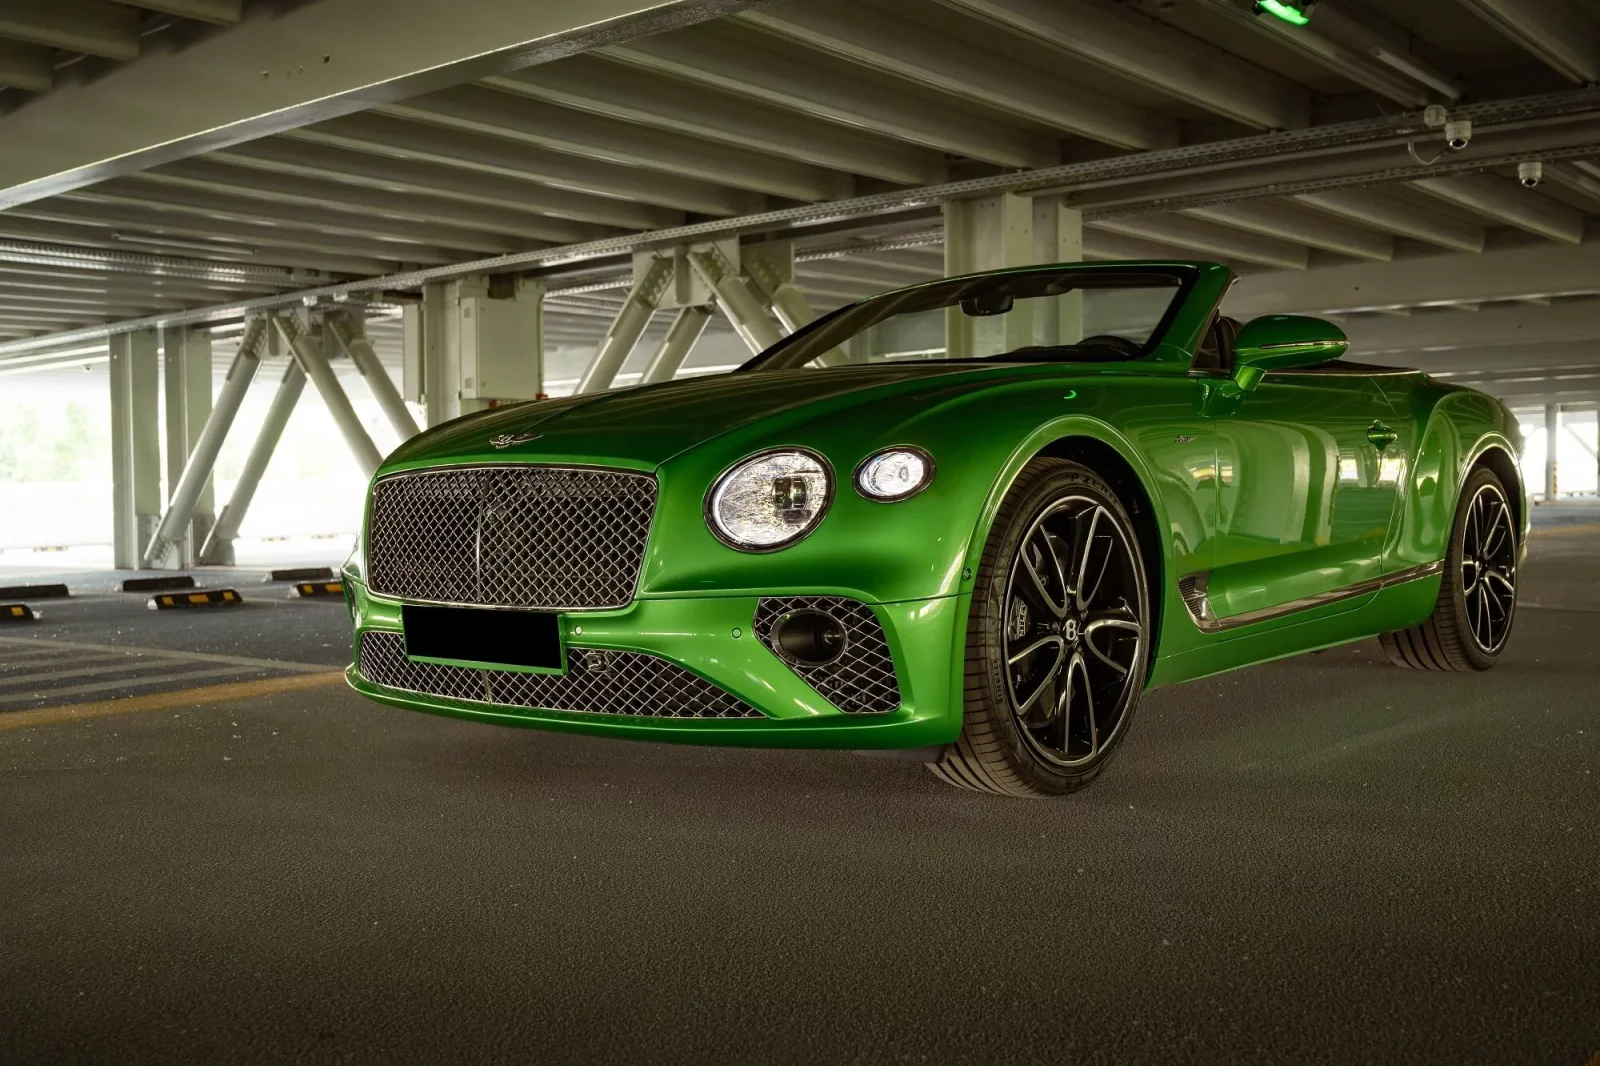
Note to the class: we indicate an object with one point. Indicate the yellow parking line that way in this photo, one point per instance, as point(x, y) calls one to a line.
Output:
point(1555, 530)
point(165, 701)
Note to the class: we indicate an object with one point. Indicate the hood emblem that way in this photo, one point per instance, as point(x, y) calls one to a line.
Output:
point(506, 440)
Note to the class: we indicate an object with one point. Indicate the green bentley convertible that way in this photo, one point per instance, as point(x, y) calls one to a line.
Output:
point(974, 519)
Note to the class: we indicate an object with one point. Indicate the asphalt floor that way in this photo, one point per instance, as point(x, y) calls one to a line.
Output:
point(1321, 860)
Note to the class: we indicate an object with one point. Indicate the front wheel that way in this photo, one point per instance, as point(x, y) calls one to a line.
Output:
point(1471, 621)
point(1057, 638)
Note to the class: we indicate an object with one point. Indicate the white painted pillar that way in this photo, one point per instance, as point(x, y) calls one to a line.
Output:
point(135, 445)
point(186, 383)
point(1552, 439)
point(1008, 230)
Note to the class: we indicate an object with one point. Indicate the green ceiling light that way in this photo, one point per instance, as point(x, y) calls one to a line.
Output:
point(1297, 12)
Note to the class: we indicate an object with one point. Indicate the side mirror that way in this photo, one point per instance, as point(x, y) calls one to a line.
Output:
point(1281, 342)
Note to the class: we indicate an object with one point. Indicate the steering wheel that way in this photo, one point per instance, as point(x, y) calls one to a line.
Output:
point(1110, 340)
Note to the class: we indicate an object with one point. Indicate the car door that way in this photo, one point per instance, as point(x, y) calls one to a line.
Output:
point(1307, 489)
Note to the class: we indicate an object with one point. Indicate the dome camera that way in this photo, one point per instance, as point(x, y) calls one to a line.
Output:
point(1457, 134)
point(1530, 174)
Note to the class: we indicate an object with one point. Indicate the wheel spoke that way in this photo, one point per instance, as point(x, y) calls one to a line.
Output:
point(1483, 614)
point(1490, 574)
point(1115, 622)
point(1498, 531)
point(1050, 675)
point(1036, 584)
point(1470, 574)
point(1085, 592)
point(1077, 667)
point(1031, 648)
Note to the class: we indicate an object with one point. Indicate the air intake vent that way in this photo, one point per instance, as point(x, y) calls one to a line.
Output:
point(599, 682)
point(860, 679)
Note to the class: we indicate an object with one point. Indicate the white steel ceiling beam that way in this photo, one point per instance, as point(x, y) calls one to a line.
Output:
point(907, 48)
point(1508, 203)
point(620, 91)
point(296, 201)
point(1277, 219)
point(1210, 239)
point(274, 162)
point(402, 139)
point(89, 26)
point(744, 60)
point(1563, 34)
point(1385, 210)
point(129, 218)
point(25, 66)
point(1540, 270)
point(562, 129)
point(287, 68)
point(221, 12)
point(82, 240)
point(1144, 50)
point(1508, 324)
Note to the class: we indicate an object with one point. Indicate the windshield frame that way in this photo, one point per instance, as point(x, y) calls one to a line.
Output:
point(1185, 274)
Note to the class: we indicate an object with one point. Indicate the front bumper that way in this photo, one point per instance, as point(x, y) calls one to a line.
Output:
point(712, 637)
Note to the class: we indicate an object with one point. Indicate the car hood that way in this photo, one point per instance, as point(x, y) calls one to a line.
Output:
point(644, 427)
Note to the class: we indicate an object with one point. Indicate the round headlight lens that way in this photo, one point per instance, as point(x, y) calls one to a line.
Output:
point(770, 500)
point(895, 474)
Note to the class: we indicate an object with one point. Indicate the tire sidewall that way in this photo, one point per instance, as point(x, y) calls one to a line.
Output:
point(1034, 491)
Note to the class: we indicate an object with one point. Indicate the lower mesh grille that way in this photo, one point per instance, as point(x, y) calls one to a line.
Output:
point(600, 682)
point(861, 680)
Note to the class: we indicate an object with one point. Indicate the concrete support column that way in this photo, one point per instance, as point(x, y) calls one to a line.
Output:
point(473, 343)
point(1058, 238)
point(135, 445)
point(1007, 230)
point(437, 363)
point(217, 548)
point(1552, 439)
point(196, 474)
point(676, 345)
point(650, 279)
point(186, 383)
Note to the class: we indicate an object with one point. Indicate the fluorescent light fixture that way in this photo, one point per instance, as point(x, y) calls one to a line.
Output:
point(1290, 11)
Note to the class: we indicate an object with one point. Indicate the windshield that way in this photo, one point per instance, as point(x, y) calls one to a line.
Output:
point(1054, 314)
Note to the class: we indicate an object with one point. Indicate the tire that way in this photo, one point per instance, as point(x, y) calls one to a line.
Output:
point(1472, 620)
point(1089, 615)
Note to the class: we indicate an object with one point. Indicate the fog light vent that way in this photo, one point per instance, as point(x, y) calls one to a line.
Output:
point(836, 645)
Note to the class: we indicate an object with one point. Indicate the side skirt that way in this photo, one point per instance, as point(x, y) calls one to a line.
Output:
point(1193, 590)
point(1395, 606)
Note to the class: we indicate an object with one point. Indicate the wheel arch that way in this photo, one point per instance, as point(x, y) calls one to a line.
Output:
point(1496, 458)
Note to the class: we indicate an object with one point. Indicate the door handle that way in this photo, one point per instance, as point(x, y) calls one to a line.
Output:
point(1381, 435)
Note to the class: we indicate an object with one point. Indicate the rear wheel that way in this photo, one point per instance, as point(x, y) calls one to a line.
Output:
point(1471, 621)
point(1057, 638)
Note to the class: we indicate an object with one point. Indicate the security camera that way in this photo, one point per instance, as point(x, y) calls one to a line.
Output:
point(1434, 116)
point(1457, 134)
point(1530, 174)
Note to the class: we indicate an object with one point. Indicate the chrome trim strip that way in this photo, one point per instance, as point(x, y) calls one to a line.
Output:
point(1200, 605)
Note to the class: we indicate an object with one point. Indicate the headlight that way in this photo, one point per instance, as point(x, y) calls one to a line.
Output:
point(769, 501)
point(894, 474)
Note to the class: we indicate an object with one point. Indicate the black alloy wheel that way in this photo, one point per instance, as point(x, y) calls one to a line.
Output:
point(1058, 638)
point(1473, 617)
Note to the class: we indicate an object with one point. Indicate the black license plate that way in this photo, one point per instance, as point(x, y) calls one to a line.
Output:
point(478, 635)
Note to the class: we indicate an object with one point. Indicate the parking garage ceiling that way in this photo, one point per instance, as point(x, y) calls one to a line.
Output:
point(1182, 128)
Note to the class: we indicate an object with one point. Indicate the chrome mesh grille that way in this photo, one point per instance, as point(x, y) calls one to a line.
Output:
point(861, 680)
point(600, 682)
point(558, 538)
